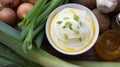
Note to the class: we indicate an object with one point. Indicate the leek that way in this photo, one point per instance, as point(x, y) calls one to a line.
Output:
point(96, 63)
point(4, 62)
point(38, 56)
point(8, 59)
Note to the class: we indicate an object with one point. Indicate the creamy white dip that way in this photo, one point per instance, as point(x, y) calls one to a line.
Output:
point(71, 29)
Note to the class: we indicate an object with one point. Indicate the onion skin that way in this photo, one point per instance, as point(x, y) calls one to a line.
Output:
point(8, 16)
point(103, 19)
point(23, 9)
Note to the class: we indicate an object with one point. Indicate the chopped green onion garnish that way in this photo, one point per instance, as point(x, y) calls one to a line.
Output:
point(66, 18)
point(70, 27)
point(64, 26)
point(65, 36)
point(76, 31)
point(76, 18)
point(80, 23)
point(80, 39)
point(68, 23)
point(59, 22)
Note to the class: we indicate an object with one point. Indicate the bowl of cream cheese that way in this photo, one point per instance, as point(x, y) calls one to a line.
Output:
point(72, 29)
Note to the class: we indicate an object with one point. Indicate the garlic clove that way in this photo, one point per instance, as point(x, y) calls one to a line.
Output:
point(106, 6)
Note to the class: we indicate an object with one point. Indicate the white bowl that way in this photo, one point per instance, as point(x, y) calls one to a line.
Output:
point(76, 6)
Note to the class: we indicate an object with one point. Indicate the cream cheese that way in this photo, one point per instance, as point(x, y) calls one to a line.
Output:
point(71, 29)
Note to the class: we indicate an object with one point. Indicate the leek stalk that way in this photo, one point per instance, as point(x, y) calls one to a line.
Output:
point(96, 63)
point(38, 56)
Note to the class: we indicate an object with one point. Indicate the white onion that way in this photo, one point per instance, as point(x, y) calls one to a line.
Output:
point(23, 10)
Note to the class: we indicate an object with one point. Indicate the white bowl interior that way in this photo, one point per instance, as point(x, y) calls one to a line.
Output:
point(76, 6)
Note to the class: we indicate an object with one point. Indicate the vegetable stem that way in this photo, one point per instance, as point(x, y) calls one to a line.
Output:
point(39, 39)
point(96, 63)
point(31, 27)
point(38, 56)
point(31, 14)
point(27, 44)
point(8, 58)
point(53, 5)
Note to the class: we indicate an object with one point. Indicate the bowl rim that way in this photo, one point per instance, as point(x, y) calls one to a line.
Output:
point(77, 6)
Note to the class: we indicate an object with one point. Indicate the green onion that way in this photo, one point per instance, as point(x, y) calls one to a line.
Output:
point(38, 29)
point(76, 18)
point(32, 27)
point(45, 6)
point(76, 31)
point(32, 13)
point(66, 18)
point(80, 23)
point(80, 39)
point(66, 1)
point(64, 27)
point(59, 22)
point(27, 44)
point(24, 32)
point(69, 25)
point(53, 5)
point(65, 36)
point(39, 39)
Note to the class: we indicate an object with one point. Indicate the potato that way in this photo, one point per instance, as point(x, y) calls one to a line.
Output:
point(103, 19)
point(88, 3)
